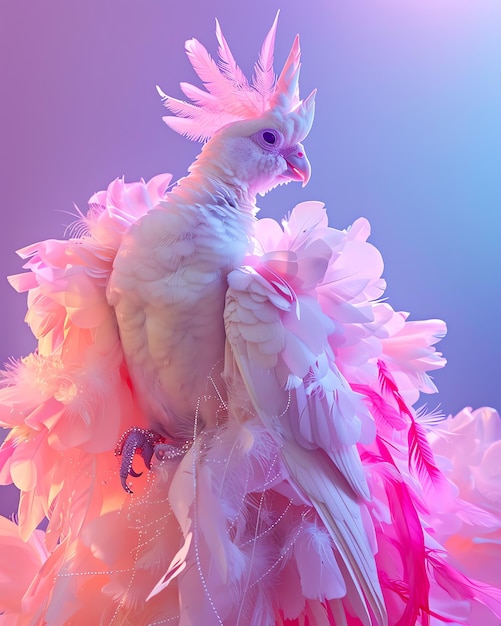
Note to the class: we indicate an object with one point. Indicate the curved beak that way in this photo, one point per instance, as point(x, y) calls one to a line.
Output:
point(298, 166)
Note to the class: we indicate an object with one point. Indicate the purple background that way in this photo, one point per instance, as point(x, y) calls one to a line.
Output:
point(407, 133)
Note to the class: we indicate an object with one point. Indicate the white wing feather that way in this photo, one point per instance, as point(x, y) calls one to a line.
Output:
point(278, 346)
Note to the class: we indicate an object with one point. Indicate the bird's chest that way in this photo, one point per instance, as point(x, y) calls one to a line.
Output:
point(168, 288)
point(176, 260)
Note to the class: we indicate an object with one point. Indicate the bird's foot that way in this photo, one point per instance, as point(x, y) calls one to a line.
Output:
point(136, 441)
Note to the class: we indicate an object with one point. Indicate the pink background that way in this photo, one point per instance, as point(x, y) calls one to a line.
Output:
point(407, 133)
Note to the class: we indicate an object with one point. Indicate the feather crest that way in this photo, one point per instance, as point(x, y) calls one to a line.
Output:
point(229, 95)
point(264, 76)
point(228, 64)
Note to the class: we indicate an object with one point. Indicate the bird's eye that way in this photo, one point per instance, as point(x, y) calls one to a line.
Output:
point(268, 138)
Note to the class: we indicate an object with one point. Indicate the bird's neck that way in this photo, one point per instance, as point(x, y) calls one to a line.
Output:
point(210, 186)
point(213, 184)
point(210, 201)
point(217, 179)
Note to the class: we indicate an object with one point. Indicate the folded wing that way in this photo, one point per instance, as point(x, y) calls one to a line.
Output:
point(279, 352)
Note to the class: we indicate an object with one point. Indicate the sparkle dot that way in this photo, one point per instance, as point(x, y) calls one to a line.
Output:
point(300, 154)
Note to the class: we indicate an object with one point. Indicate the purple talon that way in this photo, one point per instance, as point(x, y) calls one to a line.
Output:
point(135, 440)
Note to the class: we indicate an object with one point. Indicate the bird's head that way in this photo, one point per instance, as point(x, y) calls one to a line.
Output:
point(253, 130)
point(260, 154)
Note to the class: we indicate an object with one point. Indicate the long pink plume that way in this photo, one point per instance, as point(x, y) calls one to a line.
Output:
point(421, 457)
point(264, 75)
point(228, 64)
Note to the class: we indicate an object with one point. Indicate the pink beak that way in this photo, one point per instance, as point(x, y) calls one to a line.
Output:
point(298, 166)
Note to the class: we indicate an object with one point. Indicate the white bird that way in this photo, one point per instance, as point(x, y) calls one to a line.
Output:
point(169, 289)
point(262, 379)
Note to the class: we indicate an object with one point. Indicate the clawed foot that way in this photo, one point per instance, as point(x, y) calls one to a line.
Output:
point(136, 440)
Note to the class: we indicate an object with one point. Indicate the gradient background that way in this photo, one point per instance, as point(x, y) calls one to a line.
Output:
point(407, 134)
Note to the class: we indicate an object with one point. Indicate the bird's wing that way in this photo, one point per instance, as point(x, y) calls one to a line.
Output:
point(278, 338)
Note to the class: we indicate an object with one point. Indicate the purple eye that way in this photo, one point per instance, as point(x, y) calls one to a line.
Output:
point(268, 138)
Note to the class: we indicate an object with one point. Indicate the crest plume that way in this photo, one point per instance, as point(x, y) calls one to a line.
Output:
point(229, 96)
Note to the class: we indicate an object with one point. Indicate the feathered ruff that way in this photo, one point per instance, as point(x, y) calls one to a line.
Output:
point(229, 95)
point(67, 403)
point(20, 562)
point(226, 533)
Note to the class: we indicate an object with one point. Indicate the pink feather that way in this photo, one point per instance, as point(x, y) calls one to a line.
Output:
point(421, 457)
point(459, 585)
point(228, 64)
point(264, 76)
point(405, 534)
